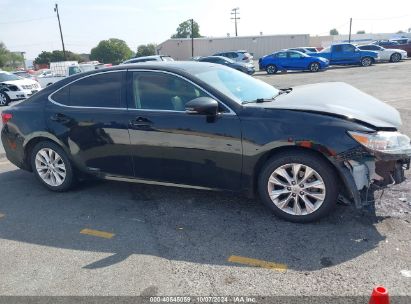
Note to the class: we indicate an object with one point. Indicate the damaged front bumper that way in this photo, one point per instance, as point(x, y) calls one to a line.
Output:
point(361, 174)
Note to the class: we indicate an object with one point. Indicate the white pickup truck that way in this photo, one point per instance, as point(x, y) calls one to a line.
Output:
point(63, 69)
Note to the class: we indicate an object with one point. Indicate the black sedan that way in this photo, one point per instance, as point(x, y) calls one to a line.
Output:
point(206, 126)
point(247, 68)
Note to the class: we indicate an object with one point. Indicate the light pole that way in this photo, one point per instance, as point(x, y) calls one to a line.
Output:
point(235, 12)
point(192, 38)
point(56, 9)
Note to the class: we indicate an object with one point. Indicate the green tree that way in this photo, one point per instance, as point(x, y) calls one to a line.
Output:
point(333, 32)
point(55, 56)
point(361, 32)
point(146, 50)
point(400, 32)
point(111, 51)
point(9, 60)
point(184, 30)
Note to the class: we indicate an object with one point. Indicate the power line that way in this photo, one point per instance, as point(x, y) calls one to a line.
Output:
point(27, 20)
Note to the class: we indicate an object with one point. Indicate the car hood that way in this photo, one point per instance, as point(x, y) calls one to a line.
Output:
point(20, 82)
point(340, 99)
point(396, 50)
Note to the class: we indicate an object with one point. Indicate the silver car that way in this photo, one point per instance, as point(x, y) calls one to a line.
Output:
point(239, 56)
point(149, 58)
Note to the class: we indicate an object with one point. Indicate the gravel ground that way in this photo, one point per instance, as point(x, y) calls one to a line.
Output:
point(169, 241)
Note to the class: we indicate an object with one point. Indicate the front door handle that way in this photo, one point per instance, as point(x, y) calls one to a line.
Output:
point(58, 117)
point(141, 122)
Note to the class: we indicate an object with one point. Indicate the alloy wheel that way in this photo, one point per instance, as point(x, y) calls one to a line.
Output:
point(271, 69)
point(3, 99)
point(315, 67)
point(296, 189)
point(50, 167)
point(366, 62)
point(396, 57)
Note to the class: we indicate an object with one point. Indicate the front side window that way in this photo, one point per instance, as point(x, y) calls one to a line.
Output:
point(281, 55)
point(100, 91)
point(348, 48)
point(162, 91)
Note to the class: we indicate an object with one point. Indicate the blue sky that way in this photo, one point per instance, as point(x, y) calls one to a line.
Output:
point(31, 25)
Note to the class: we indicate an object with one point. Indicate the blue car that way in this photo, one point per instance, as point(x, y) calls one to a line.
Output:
point(292, 60)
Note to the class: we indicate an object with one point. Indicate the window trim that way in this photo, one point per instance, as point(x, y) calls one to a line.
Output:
point(230, 111)
point(87, 107)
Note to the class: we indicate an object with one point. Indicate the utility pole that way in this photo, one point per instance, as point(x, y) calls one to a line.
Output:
point(349, 36)
point(192, 37)
point(235, 12)
point(56, 9)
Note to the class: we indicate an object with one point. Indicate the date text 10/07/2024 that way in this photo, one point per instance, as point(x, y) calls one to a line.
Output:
point(205, 299)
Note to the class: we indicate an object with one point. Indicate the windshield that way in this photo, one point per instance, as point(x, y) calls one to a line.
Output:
point(167, 58)
point(8, 77)
point(237, 85)
point(327, 49)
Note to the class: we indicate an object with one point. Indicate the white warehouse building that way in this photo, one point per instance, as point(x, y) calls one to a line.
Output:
point(258, 46)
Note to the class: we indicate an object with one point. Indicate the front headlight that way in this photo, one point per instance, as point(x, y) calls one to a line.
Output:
point(384, 141)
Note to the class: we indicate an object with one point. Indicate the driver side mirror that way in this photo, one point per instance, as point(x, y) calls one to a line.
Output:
point(202, 106)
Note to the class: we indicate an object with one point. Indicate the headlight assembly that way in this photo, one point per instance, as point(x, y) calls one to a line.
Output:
point(384, 141)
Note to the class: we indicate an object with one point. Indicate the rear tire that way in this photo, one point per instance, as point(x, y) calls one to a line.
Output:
point(396, 57)
point(314, 67)
point(308, 195)
point(4, 99)
point(271, 69)
point(366, 61)
point(52, 167)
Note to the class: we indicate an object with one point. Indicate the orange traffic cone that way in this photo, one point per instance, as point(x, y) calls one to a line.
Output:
point(379, 296)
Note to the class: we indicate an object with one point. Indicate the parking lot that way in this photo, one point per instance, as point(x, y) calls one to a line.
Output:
point(112, 238)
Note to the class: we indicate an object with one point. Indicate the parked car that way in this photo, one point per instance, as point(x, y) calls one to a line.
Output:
point(206, 126)
point(238, 56)
point(13, 87)
point(247, 68)
point(346, 54)
point(149, 58)
point(58, 71)
point(393, 55)
point(24, 74)
point(395, 45)
point(305, 50)
point(291, 60)
point(401, 40)
point(385, 43)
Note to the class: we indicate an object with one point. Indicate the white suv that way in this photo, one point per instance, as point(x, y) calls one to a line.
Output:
point(13, 87)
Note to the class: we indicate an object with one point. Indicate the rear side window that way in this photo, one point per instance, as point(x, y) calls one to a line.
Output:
point(100, 91)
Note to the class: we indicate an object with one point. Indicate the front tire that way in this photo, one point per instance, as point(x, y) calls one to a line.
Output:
point(366, 61)
point(271, 69)
point(4, 99)
point(52, 167)
point(314, 67)
point(396, 57)
point(298, 186)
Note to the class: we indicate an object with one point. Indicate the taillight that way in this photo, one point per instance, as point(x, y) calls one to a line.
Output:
point(5, 117)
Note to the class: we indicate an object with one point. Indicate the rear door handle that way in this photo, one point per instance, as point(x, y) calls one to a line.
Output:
point(58, 117)
point(141, 122)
